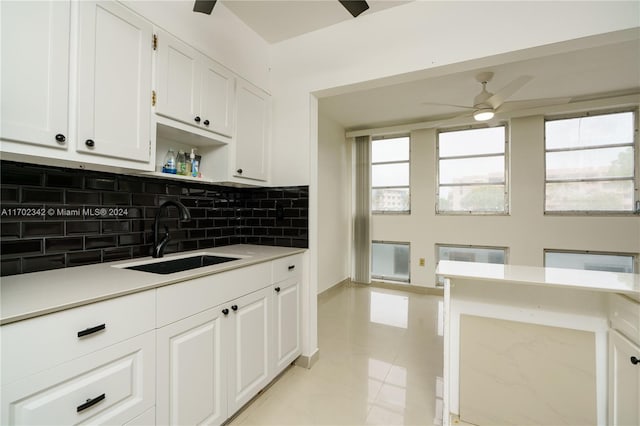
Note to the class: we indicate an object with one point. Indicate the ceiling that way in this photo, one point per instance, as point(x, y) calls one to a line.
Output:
point(277, 20)
point(609, 69)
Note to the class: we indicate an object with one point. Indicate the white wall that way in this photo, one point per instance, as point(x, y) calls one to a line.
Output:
point(417, 36)
point(334, 210)
point(222, 35)
point(526, 231)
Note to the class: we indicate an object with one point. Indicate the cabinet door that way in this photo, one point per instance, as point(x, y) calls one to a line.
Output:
point(35, 72)
point(109, 386)
point(252, 132)
point(249, 358)
point(191, 371)
point(287, 322)
point(178, 77)
point(624, 381)
point(217, 98)
point(114, 82)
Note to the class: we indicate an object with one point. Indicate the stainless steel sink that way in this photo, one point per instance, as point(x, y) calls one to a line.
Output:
point(183, 264)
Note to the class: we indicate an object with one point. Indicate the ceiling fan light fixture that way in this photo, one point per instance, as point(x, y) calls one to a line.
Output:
point(483, 114)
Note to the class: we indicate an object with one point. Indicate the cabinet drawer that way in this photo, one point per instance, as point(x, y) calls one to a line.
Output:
point(39, 343)
point(178, 301)
point(110, 386)
point(286, 268)
point(624, 315)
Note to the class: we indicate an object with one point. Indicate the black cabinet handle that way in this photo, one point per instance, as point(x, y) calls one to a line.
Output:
point(205, 122)
point(239, 171)
point(635, 361)
point(90, 402)
point(197, 119)
point(60, 138)
point(292, 267)
point(92, 330)
point(225, 311)
point(277, 289)
point(234, 307)
point(90, 143)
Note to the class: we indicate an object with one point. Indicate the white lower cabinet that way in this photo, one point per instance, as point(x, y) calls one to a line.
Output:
point(286, 322)
point(110, 386)
point(191, 385)
point(624, 381)
point(249, 355)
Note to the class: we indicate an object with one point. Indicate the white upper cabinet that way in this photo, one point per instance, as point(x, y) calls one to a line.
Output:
point(35, 72)
point(192, 88)
point(252, 132)
point(114, 82)
point(177, 79)
point(217, 98)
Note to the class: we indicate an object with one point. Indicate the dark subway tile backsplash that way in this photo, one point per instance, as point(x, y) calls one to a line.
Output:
point(55, 217)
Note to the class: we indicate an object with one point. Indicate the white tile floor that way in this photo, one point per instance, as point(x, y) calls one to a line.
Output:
point(380, 363)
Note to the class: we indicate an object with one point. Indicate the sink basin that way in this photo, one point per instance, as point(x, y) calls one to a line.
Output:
point(184, 264)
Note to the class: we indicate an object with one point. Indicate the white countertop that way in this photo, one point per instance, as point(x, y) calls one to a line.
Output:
point(39, 293)
point(611, 282)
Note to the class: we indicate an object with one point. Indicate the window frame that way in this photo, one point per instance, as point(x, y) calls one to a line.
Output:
point(634, 256)
point(507, 192)
point(636, 169)
point(382, 278)
point(391, 212)
point(472, 246)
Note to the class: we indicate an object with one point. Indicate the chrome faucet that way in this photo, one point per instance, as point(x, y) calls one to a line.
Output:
point(158, 246)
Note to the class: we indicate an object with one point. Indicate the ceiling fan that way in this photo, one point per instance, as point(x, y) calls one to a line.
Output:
point(486, 104)
point(355, 7)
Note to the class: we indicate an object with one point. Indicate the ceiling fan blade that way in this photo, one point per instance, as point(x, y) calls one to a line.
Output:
point(507, 91)
point(448, 105)
point(355, 7)
point(531, 103)
point(204, 6)
point(453, 120)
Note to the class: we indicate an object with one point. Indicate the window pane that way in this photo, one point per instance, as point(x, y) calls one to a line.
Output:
point(396, 149)
point(472, 254)
point(472, 142)
point(590, 163)
point(589, 131)
point(390, 174)
point(478, 198)
point(390, 261)
point(597, 196)
point(472, 170)
point(590, 261)
point(390, 199)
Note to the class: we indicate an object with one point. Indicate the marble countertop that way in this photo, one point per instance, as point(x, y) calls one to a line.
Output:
point(611, 282)
point(39, 293)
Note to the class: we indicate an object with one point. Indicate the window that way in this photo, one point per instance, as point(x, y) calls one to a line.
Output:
point(390, 261)
point(472, 254)
point(590, 261)
point(589, 163)
point(390, 175)
point(472, 171)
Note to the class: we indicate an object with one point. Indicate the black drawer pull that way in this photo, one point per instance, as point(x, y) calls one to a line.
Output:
point(90, 402)
point(90, 143)
point(635, 361)
point(225, 311)
point(292, 267)
point(234, 307)
point(92, 330)
point(277, 289)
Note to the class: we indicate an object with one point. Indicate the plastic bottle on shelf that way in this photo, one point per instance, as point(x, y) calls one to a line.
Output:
point(195, 164)
point(169, 165)
point(181, 163)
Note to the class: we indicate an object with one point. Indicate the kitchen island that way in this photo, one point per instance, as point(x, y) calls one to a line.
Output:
point(531, 345)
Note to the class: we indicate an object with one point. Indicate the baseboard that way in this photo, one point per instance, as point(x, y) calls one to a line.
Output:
point(308, 361)
point(334, 287)
point(433, 291)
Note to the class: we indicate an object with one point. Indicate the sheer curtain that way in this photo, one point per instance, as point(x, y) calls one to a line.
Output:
point(362, 211)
